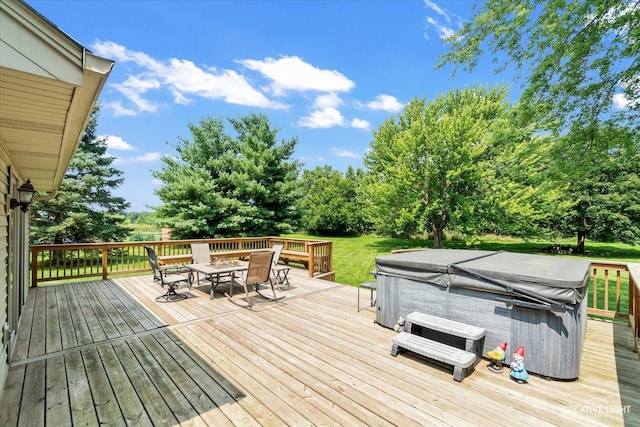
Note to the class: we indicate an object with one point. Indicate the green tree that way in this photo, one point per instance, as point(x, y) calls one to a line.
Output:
point(601, 166)
point(524, 192)
point(442, 165)
point(574, 56)
point(84, 210)
point(332, 202)
point(219, 185)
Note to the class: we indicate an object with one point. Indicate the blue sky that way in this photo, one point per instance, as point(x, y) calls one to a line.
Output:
point(327, 72)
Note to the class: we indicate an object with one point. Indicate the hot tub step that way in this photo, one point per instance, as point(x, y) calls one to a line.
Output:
point(472, 334)
point(460, 359)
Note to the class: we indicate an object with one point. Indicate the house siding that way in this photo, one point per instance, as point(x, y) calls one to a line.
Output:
point(4, 271)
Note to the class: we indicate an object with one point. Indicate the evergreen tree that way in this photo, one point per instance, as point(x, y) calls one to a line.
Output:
point(84, 210)
point(225, 186)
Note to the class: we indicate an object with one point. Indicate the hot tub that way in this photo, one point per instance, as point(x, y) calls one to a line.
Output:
point(532, 300)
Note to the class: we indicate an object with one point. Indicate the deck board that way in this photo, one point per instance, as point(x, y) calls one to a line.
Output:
point(65, 321)
point(152, 400)
point(57, 396)
point(105, 352)
point(53, 338)
point(131, 407)
point(83, 409)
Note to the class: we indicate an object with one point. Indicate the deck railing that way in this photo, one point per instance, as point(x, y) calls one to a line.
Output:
point(608, 281)
point(83, 260)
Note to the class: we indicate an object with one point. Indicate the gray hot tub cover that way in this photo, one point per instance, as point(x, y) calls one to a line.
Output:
point(560, 280)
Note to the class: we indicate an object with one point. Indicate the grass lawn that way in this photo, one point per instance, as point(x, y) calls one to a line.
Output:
point(354, 257)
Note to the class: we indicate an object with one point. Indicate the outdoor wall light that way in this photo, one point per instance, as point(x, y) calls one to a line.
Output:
point(25, 195)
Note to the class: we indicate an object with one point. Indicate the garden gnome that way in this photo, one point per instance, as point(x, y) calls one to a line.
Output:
point(497, 357)
point(518, 373)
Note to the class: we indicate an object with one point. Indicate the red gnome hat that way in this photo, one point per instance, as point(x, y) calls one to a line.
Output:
point(520, 351)
point(503, 346)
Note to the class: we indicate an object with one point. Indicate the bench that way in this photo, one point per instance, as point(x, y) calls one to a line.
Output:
point(463, 360)
point(293, 256)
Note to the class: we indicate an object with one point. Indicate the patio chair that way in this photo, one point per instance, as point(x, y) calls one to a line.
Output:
point(200, 255)
point(170, 276)
point(258, 273)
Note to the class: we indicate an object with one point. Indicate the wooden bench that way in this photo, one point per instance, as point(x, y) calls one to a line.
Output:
point(463, 360)
point(293, 256)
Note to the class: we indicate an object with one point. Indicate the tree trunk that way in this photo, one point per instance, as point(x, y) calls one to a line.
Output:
point(438, 233)
point(582, 236)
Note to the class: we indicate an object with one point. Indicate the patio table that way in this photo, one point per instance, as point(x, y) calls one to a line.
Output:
point(214, 271)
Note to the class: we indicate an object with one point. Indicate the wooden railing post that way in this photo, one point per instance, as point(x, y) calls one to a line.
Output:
point(310, 249)
point(634, 303)
point(34, 267)
point(105, 261)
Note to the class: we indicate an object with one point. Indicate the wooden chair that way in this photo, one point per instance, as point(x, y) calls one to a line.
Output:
point(170, 276)
point(258, 273)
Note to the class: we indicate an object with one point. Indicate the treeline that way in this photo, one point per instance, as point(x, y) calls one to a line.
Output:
point(462, 163)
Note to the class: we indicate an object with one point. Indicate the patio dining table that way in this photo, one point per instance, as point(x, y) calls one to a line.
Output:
point(217, 270)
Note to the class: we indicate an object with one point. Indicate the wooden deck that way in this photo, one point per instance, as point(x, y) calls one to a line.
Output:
point(104, 352)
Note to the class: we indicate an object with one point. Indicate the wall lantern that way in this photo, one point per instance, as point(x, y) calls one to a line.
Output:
point(25, 195)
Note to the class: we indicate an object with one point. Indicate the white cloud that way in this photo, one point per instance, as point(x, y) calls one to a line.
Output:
point(443, 30)
point(620, 101)
point(182, 78)
point(119, 109)
point(325, 118)
point(386, 103)
point(330, 100)
point(135, 86)
point(344, 153)
point(145, 158)
point(116, 143)
point(292, 73)
point(431, 5)
point(360, 124)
